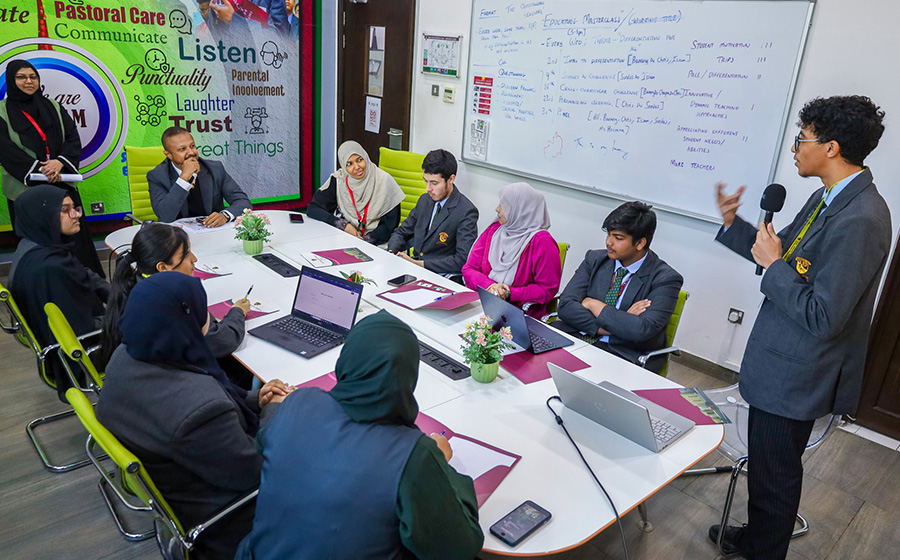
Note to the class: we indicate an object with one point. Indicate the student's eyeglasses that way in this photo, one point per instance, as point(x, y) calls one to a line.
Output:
point(32, 77)
point(73, 213)
point(799, 139)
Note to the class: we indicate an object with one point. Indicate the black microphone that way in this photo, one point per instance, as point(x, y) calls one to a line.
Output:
point(772, 201)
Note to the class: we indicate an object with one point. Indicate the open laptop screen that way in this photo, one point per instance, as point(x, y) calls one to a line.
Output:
point(327, 299)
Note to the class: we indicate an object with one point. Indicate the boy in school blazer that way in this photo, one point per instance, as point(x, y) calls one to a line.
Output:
point(806, 352)
point(635, 323)
point(444, 224)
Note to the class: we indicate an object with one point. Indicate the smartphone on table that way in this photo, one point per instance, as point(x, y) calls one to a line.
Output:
point(520, 522)
point(296, 218)
point(401, 280)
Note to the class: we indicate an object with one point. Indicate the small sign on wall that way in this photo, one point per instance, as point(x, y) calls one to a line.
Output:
point(441, 55)
point(373, 114)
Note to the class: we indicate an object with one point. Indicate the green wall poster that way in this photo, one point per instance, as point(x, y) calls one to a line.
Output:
point(226, 70)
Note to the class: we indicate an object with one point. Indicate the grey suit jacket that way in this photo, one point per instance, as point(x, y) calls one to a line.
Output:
point(806, 352)
point(630, 335)
point(170, 201)
point(445, 247)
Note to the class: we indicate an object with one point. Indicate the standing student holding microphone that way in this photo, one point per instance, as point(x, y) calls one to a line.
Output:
point(805, 355)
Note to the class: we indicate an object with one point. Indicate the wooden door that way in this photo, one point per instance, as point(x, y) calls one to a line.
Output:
point(375, 59)
point(879, 406)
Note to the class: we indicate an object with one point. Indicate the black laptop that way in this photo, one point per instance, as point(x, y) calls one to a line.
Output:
point(527, 332)
point(325, 308)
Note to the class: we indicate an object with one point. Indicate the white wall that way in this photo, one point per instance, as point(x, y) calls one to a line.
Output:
point(328, 92)
point(852, 49)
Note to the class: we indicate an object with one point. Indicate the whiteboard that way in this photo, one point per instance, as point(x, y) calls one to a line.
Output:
point(654, 100)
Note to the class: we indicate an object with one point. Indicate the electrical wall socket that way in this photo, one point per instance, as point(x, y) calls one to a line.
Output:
point(97, 207)
point(435, 90)
point(735, 316)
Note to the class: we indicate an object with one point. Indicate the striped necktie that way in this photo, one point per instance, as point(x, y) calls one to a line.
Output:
point(612, 296)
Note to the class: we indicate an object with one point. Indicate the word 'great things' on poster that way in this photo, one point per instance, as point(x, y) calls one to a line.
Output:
point(226, 70)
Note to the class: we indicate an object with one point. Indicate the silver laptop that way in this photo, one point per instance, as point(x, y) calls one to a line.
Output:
point(638, 419)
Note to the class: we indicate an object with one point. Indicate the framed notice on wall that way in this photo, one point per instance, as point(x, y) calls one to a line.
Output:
point(441, 54)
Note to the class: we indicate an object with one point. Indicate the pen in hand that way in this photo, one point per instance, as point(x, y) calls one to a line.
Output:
point(248, 291)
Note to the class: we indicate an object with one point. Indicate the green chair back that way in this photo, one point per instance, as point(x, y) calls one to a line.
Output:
point(406, 169)
point(672, 327)
point(140, 161)
point(563, 249)
point(70, 344)
point(553, 305)
point(135, 477)
point(23, 333)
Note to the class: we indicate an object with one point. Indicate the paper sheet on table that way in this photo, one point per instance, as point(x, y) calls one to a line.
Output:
point(414, 299)
point(192, 225)
point(209, 269)
point(316, 260)
point(257, 309)
point(472, 459)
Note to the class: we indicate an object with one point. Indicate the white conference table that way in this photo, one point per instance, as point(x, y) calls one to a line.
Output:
point(505, 413)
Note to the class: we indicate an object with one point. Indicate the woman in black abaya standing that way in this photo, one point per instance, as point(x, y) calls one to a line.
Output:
point(38, 136)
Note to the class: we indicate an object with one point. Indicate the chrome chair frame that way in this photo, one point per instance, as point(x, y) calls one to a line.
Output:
point(740, 465)
point(108, 482)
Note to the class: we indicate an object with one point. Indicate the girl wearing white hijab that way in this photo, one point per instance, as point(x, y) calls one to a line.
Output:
point(516, 258)
point(359, 198)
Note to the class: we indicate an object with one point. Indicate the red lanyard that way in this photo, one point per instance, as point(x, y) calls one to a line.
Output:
point(41, 132)
point(362, 219)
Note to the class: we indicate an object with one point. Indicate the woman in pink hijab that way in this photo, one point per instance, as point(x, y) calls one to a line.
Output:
point(516, 258)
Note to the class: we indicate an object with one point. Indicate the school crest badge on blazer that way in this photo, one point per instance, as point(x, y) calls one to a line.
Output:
point(443, 237)
point(802, 265)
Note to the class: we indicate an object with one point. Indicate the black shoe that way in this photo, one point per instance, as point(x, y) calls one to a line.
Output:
point(731, 541)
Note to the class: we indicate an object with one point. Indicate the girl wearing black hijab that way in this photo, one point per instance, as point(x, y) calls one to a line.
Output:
point(168, 401)
point(157, 248)
point(38, 136)
point(347, 473)
point(45, 269)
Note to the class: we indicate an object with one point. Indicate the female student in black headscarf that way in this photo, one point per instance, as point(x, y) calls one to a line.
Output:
point(159, 248)
point(44, 269)
point(37, 135)
point(347, 473)
point(170, 404)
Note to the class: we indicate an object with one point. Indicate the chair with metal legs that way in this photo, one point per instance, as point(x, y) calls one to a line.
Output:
point(136, 488)
point(18, 327)
point(734, 447)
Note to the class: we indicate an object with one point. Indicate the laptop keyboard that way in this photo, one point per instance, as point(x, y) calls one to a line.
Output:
point(663, 431)
point(541, 344)
point(315, 335)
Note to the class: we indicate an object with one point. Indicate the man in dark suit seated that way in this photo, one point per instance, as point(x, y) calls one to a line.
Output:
point(625, 295)
point(183, 185)
point(443, 225)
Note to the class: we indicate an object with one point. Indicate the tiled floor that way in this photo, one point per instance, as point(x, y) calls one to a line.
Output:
point(850, 493)
point(870, 435)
